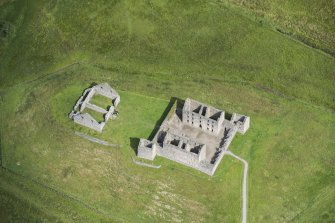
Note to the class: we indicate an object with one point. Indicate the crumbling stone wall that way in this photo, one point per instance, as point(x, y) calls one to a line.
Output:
point(241, 121)
point(146, 149)
point(173, 147)
point(179, 155)
point(170, 142)
point(202, 116)
point(86, 119)
point(227, 139)
point(87, 96)
point(105, 90)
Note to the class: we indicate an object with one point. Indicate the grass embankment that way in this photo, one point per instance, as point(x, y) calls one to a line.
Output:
point(311, 22)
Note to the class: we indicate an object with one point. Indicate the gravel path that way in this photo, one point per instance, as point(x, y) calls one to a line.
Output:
point(244, 186)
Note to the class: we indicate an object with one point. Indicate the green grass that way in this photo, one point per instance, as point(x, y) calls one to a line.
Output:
point(162, 39)
point(48, 150)
point(311, 22)
point(101, 101)
point(76, 166)
point(150, 52)
point(25, 200)
point(99, 117)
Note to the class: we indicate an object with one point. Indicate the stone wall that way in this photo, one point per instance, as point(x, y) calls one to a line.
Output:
point(105, 90)
point(86, 119)
point(173, 144)
point(202, 116)
point(147, 149)
point(179, 155)
point(116, 101)
point(109, 113)
point(96, 108)
point(228, 138)
point(241, 121)
point(183, 141)
point(86, 100)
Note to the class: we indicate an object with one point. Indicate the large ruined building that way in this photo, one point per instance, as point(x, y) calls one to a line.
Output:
point(78, 115)
point(196, 135)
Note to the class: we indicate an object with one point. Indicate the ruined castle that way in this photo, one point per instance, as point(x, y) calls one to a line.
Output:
point(196, 135)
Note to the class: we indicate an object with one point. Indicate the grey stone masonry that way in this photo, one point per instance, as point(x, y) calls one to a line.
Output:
point(146, 149)
point(85, 119)
point(197, 135)
point(202, 116)
point(241, 121)
point(88, 121)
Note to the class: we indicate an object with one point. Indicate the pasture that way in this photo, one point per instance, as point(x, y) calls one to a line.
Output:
point(151, 53)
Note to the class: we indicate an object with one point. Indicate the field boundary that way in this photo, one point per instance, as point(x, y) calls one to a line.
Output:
point(252, 84)
point(145, 164)
point(96, 140)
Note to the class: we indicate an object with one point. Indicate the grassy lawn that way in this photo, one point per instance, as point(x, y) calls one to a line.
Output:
point(151, 51)
point(101, 101)
point(99, 117)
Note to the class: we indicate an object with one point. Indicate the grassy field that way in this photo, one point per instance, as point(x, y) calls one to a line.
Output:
point(26, 200)
point(161, 39)
point(151, 52)
point(47, 150)
point(312, 22)
point(106, 178)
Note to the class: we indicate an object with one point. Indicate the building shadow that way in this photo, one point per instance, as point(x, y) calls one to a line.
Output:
point(228, 115)
point(92, 85)
point(134, 143)
point(174, 103)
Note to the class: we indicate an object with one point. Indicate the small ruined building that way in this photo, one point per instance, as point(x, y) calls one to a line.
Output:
point(196, 135)
point(79, 114)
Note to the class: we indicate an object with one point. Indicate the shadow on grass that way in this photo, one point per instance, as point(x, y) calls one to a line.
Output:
point(134, 143)
point(174, 101)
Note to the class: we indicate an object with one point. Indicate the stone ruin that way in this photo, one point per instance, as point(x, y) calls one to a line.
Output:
point(83, 118)
point(196, 135)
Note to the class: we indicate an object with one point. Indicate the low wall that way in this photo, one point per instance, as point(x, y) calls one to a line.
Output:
point(95, 108)
point(88, 121)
